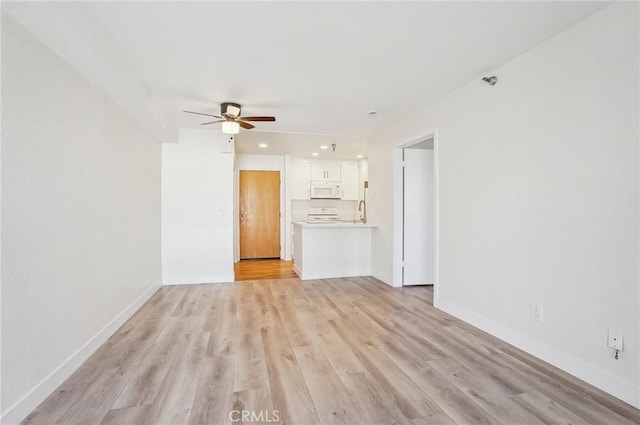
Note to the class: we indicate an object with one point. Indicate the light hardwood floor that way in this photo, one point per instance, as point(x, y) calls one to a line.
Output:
point(264, 269)
point(336, 351)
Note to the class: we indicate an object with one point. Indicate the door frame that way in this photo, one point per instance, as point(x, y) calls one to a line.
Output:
point(398, 213)
point(251, 163)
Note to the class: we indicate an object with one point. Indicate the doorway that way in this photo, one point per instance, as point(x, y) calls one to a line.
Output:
point(417, 211)
point(259, 214)
point(264, 269)
point(417, 232)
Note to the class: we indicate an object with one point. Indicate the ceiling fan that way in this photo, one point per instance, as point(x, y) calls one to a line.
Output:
point(231, 119)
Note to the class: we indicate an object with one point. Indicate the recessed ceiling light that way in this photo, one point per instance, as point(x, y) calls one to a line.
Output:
point(315, 154)
point(263, 145)
point(358, 156)
point(324, 147)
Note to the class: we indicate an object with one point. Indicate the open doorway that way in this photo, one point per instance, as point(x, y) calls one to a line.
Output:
point(260, 211)
point(416, 213)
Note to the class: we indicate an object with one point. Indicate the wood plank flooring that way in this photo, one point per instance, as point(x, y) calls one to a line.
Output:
point(334, 351)
point(264, 269)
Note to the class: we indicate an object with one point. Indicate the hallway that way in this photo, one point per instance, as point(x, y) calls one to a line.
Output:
point(263, 269)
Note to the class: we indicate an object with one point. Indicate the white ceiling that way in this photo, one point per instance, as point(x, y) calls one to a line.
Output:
point(319, 67)
point(301, 145)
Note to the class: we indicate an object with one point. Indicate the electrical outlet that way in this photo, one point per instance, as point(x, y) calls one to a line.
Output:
point(615, 339)
point(536, 311)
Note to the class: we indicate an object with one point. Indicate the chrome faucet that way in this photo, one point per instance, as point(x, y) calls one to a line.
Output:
point(363, 217)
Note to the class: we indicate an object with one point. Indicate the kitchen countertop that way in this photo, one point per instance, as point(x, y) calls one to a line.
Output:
point(333, 224)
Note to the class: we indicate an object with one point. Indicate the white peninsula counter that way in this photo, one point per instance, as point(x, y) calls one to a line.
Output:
point(326, 250)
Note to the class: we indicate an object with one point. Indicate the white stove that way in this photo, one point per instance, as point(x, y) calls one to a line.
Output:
point(323, 215)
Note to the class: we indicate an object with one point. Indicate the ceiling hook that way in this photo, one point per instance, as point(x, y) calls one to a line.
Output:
point(490, 80)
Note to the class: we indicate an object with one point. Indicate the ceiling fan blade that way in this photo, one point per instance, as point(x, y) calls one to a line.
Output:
point(245, 125)
point(258, 118)
point(200, 113)
point(212, 122)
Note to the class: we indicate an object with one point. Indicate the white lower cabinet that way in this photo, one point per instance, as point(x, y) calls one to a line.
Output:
point(325, 251)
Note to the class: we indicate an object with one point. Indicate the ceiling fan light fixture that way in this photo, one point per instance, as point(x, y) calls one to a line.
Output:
point(233, 111)
point(230, 109)
point(231, 119)
point(230, 127)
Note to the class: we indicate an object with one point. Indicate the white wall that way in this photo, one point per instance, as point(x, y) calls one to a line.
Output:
point(539, 194)
point(80, 220)
point(263, 163)
point(197, 208)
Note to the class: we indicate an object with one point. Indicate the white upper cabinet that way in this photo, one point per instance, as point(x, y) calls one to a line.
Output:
point(363, 175)
point(325, 170)
point(300, 179)
point(349, 175)
point(349, 185)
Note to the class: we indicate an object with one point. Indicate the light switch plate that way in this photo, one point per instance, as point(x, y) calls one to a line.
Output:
point(615, 339)
point(536, 311)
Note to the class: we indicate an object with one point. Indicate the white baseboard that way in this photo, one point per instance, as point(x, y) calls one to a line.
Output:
point(16, 413)
point(316, 276)
point(297, 271)
point(601, 379)
point(196, 280)
point(387, 280)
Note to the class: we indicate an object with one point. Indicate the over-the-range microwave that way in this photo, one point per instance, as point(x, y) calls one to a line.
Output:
point(325, 190)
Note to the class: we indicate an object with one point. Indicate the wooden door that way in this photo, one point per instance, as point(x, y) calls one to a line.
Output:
point(259, 214)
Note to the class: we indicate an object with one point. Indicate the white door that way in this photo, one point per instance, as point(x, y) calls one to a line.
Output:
point(418, 228)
